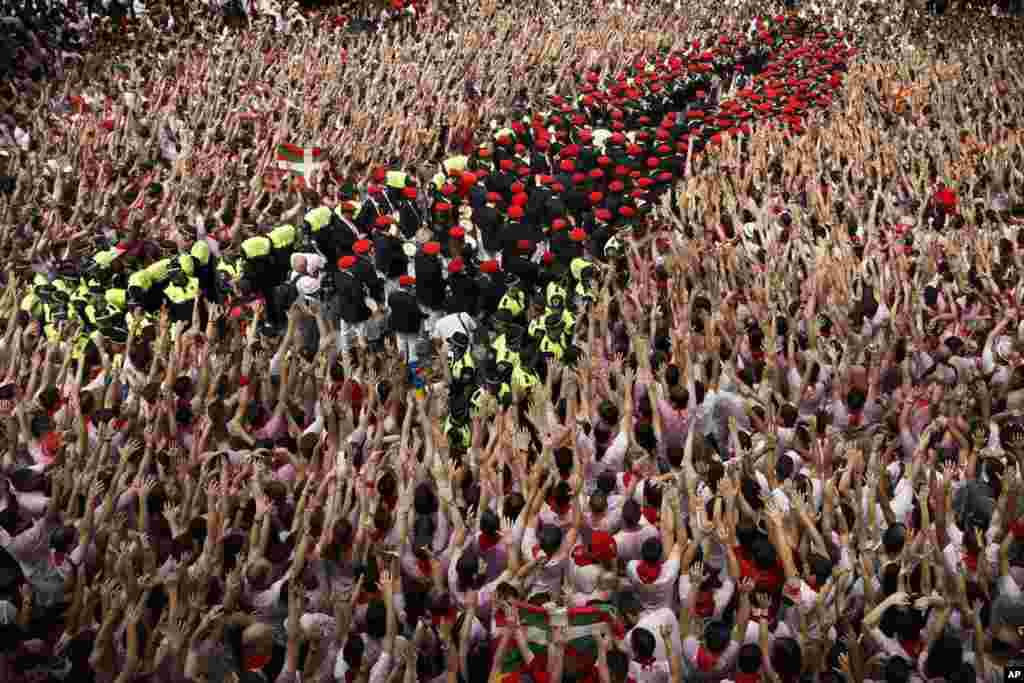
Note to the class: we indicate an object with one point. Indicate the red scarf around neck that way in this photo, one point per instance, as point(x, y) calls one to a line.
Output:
point(488, 541)
point(652, 515)
point(747, 678)
point(648, 572)
point(706, 660)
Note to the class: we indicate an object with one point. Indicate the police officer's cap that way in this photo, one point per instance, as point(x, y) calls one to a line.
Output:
point(458, 408)
point(504, 370)
point(459, 341)
point(118, 335)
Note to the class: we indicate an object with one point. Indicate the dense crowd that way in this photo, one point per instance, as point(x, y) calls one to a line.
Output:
point(479, 341)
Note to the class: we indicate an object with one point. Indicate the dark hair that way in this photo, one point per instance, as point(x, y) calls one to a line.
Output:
point(651, 550)
point(631, 513)
point(897, 670)
point(786, 658)
point(717, 636)
point(749, 660)
point(376, 619)
point(550, 538)
point(643, 643)
point(894, 538)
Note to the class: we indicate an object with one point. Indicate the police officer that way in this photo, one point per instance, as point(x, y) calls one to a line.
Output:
point(328, 234)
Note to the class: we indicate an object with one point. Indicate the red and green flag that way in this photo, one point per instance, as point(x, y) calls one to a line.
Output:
point(300, 161)
point(582, 625)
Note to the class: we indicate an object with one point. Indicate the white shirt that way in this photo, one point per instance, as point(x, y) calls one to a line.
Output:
point(455, 322)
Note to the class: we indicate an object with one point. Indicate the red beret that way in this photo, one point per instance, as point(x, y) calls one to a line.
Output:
point(652, 162)
point(596, 197)
point(432, 248)
point(507, 165)
point(503, 140)
point(597, 173)
point(493, 197)
point(616, 186)
point(346, 262)
point(524, 245)
point(455, 266)
point(567, 165)
point(517, 187)
point(361, 247)
point(645, 182)
point(406, 280)
point(548, 258)
point(489, 267)
point(603, 161)
point(603, 214)
point(578, 178)
point(633, 150)
point(520, 199)
point(457, 233)
point(577, 235)
point(558, 224)
point(447, 189)
point(586, 135)
point(442, 207)
point(409, 192)
point(515, 212)
point(627, 211)
point(383, 221)
point(546, 180)
point(520, 148)
point(621, 170)
point(558, 187)
point(618, 138)
point(664, 177)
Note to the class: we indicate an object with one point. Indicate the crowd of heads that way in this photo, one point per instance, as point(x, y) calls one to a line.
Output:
point(625, 342)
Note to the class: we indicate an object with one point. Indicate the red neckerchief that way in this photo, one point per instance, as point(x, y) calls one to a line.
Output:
point(581, 556)
point(706, 660)
point(560, 510)
point(646, 663)
point(627, 478)
point(855, 419)
point(746, 678)
point(648, 572)
point(256, 662)
point(488, 541)
point(971, 560)
point(652, 514)
point(423, 564)
point(705, 606)
point(912, 648)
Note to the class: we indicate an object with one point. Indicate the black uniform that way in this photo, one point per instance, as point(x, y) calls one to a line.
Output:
point(351, 296)
point(430, 285)
point(391, 260)
point(463, 294)
point(366, 272)
point(406, 315)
